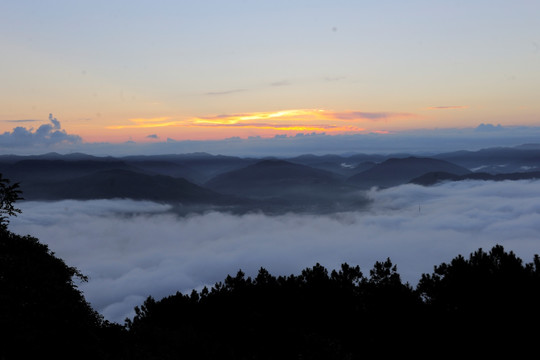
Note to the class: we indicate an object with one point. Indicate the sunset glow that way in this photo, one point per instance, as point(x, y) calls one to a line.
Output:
point(151, 149)
point(270, 69)
point(290, 121)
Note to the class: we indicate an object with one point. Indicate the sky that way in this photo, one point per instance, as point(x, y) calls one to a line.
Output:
point(155, 253)
point(196, 73)
point(247, 77)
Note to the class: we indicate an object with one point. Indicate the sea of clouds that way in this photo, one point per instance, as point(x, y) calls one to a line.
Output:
point(133, 249)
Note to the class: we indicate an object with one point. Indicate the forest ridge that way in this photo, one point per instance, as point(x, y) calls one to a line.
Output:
point(481, 304)
point(302, 184)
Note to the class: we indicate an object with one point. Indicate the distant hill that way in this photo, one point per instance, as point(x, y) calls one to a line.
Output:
point(169, 168)
point(393, 172)
point(303, 183)
point(272, 177)
point(197, 167)
point(345, 166)
point(286, 186)
point(51, 156)
point(497, 160)
point(119, 183)
point(433, 178)
point(38, 170)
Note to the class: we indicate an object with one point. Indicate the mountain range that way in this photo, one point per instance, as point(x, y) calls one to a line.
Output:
point(303, 183)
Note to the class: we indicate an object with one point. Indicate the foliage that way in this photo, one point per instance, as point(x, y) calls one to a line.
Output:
point(9, 194)
point(315, 315)
point(42, 313)
point(493, 291)
point(477, 305)
point(486, 302)
point(40, 305)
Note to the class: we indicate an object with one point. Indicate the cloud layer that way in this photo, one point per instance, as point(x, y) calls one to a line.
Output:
point(285, 120)
point(45, 135)
point(299, 132)
point(134, 249)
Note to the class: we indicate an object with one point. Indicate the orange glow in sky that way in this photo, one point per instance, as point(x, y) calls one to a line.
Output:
point(290, 121)
point(210, 72)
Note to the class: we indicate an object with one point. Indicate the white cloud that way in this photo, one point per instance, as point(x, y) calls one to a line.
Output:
point(414, 141)
point(48, 137)
point(152, 252)
point(44, 136)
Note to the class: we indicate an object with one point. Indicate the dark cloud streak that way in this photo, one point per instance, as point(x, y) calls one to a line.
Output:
point(355, 115)
point(21, 121)
point(226, 92)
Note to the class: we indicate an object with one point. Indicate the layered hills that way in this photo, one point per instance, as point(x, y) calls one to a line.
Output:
point(433, 178)
point(303, 183)
point(393, 172)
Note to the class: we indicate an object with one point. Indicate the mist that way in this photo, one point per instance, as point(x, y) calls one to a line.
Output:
point(133, 249)
point(26, 141)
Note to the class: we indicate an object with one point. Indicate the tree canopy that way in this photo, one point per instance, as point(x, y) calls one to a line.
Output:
point(9, 194)
point(480, 305)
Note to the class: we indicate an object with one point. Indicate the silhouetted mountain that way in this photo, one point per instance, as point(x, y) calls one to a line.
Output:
point(497, 160)
point(270, 177)
point(289, 187)
point(433, 178)
point(119, 183)
point(197, 167)
point(393, 172)
point(162, 167)
point(300, 183)
point(528, 147)
point(345, 166)
point(39, 170)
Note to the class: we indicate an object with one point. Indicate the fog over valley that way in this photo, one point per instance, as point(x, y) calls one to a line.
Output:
point(132, 249)
point(269, 179)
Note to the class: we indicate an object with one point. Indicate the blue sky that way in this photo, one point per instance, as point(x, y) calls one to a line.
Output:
point(117, 71)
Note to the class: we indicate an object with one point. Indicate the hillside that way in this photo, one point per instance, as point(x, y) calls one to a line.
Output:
point(393, 172)
point(289, 187)
point(119, 183)
point(433, 178)
point(497, 160)
point(309, 182)
point(272, 177)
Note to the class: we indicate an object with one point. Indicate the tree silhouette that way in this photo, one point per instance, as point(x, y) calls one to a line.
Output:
point(482, 304)
point(41, 310)
point(9, 194)
point(489, 298)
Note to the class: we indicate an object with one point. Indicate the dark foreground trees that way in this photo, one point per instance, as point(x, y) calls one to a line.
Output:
point(486, 304)
point(315, 315)
point(42, 313)
point(490, 298)
point(9, 194)
point(482, 305)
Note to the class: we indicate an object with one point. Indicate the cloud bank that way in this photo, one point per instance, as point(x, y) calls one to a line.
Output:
point(299, 132)
point(432, 141)
point(427, 141)
point(44, 136)
point(134, 249)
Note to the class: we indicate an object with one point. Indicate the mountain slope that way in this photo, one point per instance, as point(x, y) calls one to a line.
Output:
point(271, 178)
point(433, 178)
point(283, 186)
point(39, 170)
point(497, 160)
point(119, 183)
point(393, 172)
point(197, 167)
